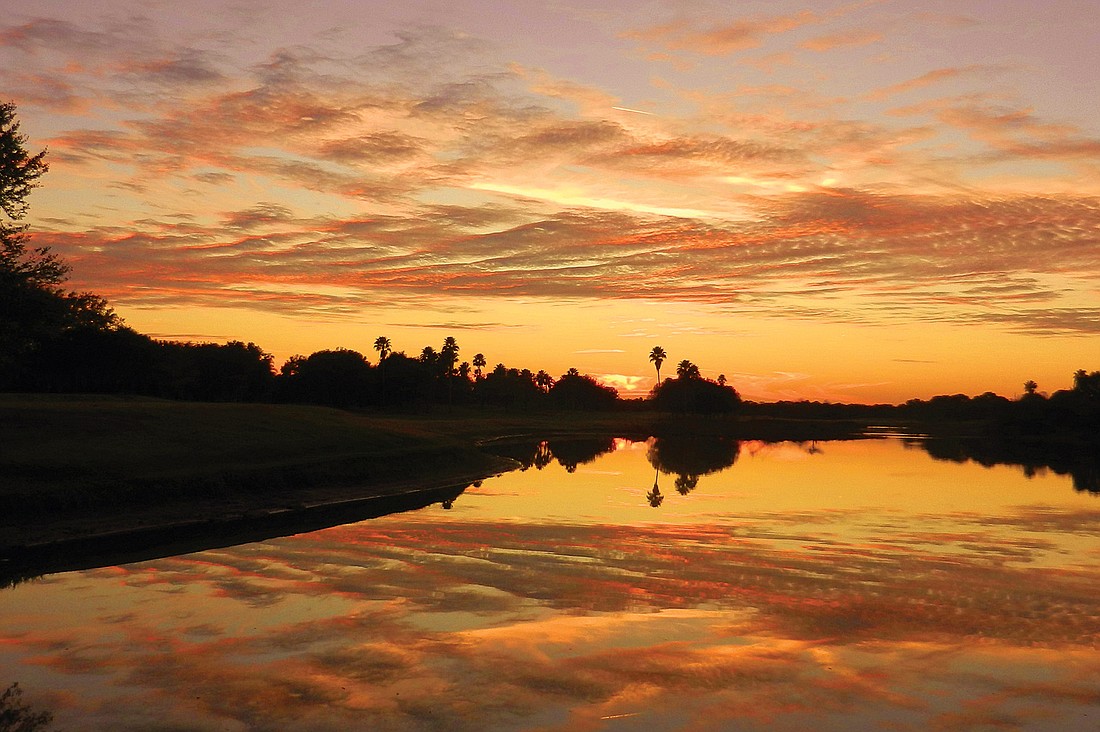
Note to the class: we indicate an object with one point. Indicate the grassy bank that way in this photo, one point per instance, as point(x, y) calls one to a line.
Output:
point(72, 465)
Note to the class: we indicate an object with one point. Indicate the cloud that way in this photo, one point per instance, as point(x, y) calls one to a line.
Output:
point(903, 257)
point(722, 39)
point(931, 78)
point(842, 39)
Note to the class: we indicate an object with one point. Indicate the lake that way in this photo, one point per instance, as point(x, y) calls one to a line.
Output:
point(610, 585)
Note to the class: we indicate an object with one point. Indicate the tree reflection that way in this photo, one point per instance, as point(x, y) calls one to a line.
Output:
point(686, 484)
point(691, 458)
point(1081, 461)
point(15, 716)
point(569, 452)
point(573, 452)
point(654, 496)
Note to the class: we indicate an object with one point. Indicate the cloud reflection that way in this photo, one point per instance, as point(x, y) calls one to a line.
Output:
point(419, 625)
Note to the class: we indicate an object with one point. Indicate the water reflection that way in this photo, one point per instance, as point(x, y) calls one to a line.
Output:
point(570, 452)
point(861, 587)
point(1079, 461)
point(688, 459)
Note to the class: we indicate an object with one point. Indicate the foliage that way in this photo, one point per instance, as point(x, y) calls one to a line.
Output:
point(15, 716)
point(36, 308)
point(580, 391)
point(657, 357)
point(335, 378)
point(693, 456)
point(694, 395)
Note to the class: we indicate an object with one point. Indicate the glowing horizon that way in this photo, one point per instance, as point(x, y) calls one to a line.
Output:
point(846, 201)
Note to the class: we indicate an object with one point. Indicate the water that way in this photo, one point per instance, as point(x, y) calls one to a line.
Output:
point(837, 585)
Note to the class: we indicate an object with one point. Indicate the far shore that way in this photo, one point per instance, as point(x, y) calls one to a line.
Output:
point(94, 480)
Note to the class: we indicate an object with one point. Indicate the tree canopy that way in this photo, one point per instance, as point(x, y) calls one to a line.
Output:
point(36, 307)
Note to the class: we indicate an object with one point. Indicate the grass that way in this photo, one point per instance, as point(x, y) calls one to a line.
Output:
point(69, 451)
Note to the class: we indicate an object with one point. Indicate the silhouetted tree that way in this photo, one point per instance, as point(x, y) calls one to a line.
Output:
point(409, 381)
point(1087, 384)
point(692, 394)
point(687, 370)
point(1030, 387)
point(383, 345)
point(15, 716)
point(657, 357)
point(508, 388)
point(97, 361)
point(574, 391)
point(337, 378)
point(479, 364)
point(721, 379)
point(234, 372)
point(448, 357)
point(544, 381)
point(34, 306)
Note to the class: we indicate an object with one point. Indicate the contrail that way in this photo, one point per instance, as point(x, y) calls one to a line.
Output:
point(635, 111)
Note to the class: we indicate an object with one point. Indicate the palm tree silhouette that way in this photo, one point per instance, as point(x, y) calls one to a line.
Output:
point(687, 370)
point(544, 381)
point(448, 357)
point(658, 356)
point(479, 363)
point(383, 346)
point(654, 496)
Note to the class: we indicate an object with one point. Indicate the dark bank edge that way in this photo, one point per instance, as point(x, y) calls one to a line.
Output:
point(145, 543)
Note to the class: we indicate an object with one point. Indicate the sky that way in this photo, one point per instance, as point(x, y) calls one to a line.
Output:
point(853, 201)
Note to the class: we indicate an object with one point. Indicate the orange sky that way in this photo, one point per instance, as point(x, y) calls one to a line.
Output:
point(860, 201)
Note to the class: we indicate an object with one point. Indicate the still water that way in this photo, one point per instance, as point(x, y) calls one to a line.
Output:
point(610, 585)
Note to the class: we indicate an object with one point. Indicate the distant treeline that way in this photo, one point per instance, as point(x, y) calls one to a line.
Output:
point(109, 358)
point(1075, 410)
point(118, 360)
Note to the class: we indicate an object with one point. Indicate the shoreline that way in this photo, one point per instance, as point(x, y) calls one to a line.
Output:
point(122, 540)
point(85, 492)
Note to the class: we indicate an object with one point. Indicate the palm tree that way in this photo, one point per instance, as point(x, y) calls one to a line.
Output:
point(544, 381)
point(383, 346)
point(479, 364)
point(687, 370)
point(721, 379)
point(448, 355)
point(1030, 387)
point(658, 356)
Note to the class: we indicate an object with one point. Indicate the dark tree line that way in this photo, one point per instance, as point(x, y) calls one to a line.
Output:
point(1066, 411)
